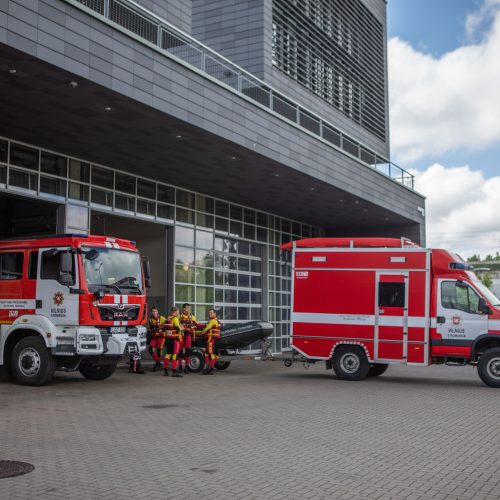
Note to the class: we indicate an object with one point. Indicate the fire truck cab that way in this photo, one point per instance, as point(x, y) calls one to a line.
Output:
point(70, 302)
point(362, 304)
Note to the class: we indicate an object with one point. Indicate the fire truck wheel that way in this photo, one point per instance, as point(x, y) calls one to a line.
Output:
point(350, 363)
point(377, 369)
point(197, 362)
point(488, 367)
point(32, 363)
point(96, 371)
point(222, 365)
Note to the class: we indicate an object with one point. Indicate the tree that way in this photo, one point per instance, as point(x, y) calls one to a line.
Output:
point(489, 258)
point(486, 279)
point(474, 258)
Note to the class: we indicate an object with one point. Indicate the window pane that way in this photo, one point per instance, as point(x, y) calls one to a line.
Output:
point(204, 258)
point(256, 250)
point(165, 211)
point(256, 266)
point(255, 282)
point(184, 255)
point(249, 232)
point(53, 164)
point(221, 208)
point(221, 224)
point(33, 265)
point(102, 177)
point(249, 216)
point(243, 313)
point(11, 266)
point(23, 156)
point(230, 296)
point(184, 273)
point(3, 151)
point(23, 179)
point(185, 199)
point(125, 183)
point(146, 189)
point(236, 228)
point(123, 202)
point(184, 236)
point(261, 234)
point(53, 186)
point(184, 293)
point(256, 313)
point(186, 216)
point(204, 220)
point(243, 280)
point(204, 204)
point(204, 276)
point(219, 278)
point(243, 297)
point(261, 219)
point(236, 213)
point(102, 197)
point(219, 295)
point(166, 194)
point(255, 298)
point(243, 264)
point(230, 313)
point(243, 247)
point(230, 263)
point(230, 279)
point(205, 294)
point(204, 239)
point(146, 207)
point(79, 171)
point(3, 174)
point(391, 294)
point(78, 191)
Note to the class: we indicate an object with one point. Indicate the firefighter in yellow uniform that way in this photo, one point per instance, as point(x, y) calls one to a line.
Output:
point(156, 327)
point(189, 325)
point(212, 332)
point(173, 336)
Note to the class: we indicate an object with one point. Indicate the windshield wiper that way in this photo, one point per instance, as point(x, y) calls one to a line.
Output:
point(109, 286)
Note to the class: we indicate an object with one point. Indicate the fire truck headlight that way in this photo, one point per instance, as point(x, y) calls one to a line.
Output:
point(86, 337)
point(143, 335)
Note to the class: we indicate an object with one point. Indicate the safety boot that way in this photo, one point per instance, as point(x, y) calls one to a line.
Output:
point(156, 366)
point(165, 373)
point(175, 373)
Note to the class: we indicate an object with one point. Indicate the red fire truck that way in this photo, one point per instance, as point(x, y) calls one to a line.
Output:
point(362, 304)
point(70, 302)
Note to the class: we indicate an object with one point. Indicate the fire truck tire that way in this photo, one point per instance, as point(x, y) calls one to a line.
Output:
point(96, 371)
point(197, 362)
point(350, 363)
point(377, 370)
point(222, 365)
point(488, 367)
point(32, 363)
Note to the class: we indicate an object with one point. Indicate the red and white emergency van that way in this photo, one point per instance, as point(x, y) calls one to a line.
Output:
point(70, 302)
point(362, 304)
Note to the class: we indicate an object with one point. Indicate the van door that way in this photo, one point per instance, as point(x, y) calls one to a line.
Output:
point(53, 297)
point(391, 316)
point(458, 320)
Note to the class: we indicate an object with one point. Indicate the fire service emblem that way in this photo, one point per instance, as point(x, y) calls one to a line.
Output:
point(457, 320)
point(58, 298)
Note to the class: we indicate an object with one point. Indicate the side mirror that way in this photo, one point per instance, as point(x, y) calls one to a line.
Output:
point(99, 294)
point(148, 282)
point(482, 306)
point(66, 262)
point(146, 269)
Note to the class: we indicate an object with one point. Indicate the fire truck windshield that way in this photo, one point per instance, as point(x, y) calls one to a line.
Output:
point(113, 270)
point(487, 293)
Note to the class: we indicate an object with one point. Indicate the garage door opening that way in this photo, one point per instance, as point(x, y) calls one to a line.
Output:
point(24, 217)
point(151, 239)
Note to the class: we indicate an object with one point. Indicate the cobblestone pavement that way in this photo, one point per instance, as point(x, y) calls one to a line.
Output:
point(257, 430)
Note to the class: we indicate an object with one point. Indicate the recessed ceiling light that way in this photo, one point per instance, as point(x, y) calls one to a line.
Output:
point(276, 175)
point(107, 108)
point(357, 202)
point(179, 136)
point(341, 201)
point(233, 158)
point(73, 84)
point(12, 71)
point(312, 189)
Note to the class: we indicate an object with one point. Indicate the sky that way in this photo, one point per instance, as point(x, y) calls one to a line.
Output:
point(444, 105)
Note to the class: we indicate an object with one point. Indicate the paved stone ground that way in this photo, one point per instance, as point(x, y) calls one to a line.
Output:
point(257, 430)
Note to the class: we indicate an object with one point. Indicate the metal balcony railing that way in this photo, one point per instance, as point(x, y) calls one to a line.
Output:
point(148, 27)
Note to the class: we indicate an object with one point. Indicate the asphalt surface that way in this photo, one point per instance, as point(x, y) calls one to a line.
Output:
point(257, 430)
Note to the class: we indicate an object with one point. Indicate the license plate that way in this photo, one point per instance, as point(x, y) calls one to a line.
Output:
point(117, 329)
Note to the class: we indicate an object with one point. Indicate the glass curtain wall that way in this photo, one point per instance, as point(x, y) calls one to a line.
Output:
point(226, 256)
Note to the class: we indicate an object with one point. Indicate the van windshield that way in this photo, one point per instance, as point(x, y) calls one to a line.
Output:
point(114, 271)
point(487, 293)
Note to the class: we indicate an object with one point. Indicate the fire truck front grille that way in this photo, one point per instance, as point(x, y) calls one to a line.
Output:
point(115, 313)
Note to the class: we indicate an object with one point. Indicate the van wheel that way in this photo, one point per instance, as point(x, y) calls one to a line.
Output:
point(488, 367)
point(96, 371)
point(350, 363)
point(32, 363)
point(377, 369)
point(196, 362)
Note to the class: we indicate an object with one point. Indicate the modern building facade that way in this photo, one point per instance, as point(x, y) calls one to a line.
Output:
point(209, 131)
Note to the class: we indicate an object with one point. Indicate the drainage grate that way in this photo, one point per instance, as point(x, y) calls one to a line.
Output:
point(159, 407)
point(10, 468)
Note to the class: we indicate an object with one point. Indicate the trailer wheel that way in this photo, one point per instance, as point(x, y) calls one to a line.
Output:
point(488, 367)
point(350, 363)
point(96, 371)
point(377, 369)
point(32, 363)
point(287, 363)
point(196, 362)
point(222, 365)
